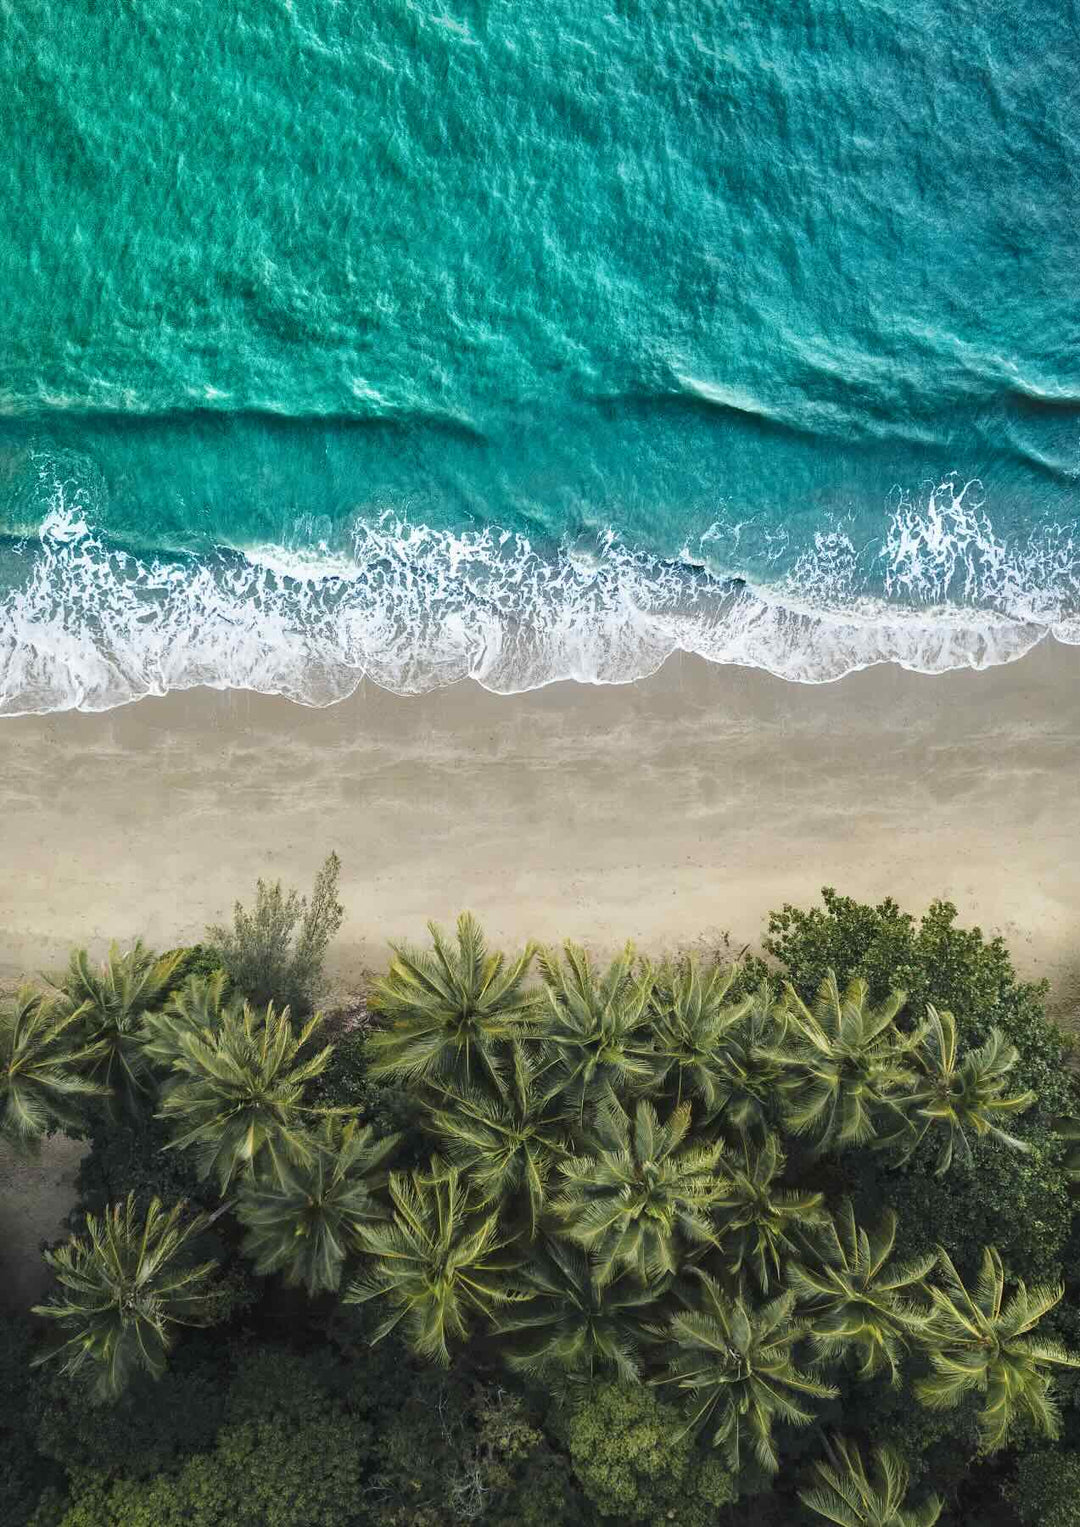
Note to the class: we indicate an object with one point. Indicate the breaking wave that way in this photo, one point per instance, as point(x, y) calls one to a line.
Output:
point(87, 625)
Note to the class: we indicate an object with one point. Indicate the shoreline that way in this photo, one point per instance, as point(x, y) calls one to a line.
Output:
point(673, 810)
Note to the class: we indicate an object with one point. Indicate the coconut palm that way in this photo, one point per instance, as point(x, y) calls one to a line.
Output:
point(573, 1326)
point(112, 1001)
point(753, 1062)
point(305, 1222)
point(195, 1008)
point(640, 1192)
point(598, 1028)
point(956, 1098)
point(692, 1021)
point(857, 1301)
point(41, 1068)
point(736, 1367)
point(979, 1342)
point(450, 1012)
point(438, 1262)
point(238, 1096)
point(506, 1143)
point(759, 1223)
point(847, 1495)
point(128, 1284)
point(848, 1065)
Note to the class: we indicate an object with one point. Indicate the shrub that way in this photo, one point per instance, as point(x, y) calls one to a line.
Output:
point(1045, 1490)
point(275, 952)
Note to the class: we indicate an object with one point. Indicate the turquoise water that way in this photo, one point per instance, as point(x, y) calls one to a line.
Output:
point(536, 340)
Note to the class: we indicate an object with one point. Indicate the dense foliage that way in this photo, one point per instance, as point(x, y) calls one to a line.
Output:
point(551, 1242)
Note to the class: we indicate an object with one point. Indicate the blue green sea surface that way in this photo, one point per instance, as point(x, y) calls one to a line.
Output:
point(532, 339)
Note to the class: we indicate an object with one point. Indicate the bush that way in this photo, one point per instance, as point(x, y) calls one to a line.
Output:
point(23, 1472)
point(275, 952)
point(1045, 1490)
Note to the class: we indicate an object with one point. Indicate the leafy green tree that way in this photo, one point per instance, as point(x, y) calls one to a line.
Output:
point(275, 953)
point(598, 1029)
point(304, 1220)
point(759, 1222)
point(692, 1020)
point(109, 1005)
point(41, 1076)
point(954, 1096)
point(979, 1342)
point(238, 1097)
point(858, 1301)
point(848, 1064)
point(438, 1263)
point(450, 1013)
point(1045, 1490)
point(641, 1193)
point(634, 1459)
point(849, 1496)
point(129, 1283)
point(573, 1326)
point(506, 1143)
point(736, 1367)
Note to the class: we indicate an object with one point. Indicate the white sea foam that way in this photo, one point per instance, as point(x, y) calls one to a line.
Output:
point(88, 626)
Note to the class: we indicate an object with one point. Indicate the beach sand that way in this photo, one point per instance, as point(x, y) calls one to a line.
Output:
point(675, 810)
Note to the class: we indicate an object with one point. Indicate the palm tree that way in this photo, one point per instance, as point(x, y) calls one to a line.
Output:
point(641, 1193)
point(41, 1061)
point(438, 1262)
point(506, 1144)
point(305, 1223)
point(847, 1496)
point(574, 1326)
point(848, 1064)
point(856, 1301)
point(451, 1011)
point(598, 1031)
point(129, 1285)
point(979, 1342)
point(754, 1062)
point(736, 1368)
point(238, 1097)
point(196, 1008)
point(953, 1097)
point(111, 1002)
point(758, 1221)
point(692, 1022)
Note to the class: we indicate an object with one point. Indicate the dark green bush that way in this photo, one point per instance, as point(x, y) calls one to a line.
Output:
point(1045, 1490)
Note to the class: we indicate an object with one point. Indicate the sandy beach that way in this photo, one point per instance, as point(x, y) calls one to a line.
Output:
point(678, 809)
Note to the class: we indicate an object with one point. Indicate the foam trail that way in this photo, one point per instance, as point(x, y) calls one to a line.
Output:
point(86, 626)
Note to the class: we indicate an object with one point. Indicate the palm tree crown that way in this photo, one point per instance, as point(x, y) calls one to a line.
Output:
point(305, 1221)
point(847, 1495)
point(195, 1009)
point(692, 1022)
point(856, 1300)
point(41, 1062)
point(598, 1028)
point(128, 1286)
point(238, 1097)
point(758, 1220)
point(451, 1011)
point(979, 1342)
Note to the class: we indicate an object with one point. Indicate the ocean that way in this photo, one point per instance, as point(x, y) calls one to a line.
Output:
point(431, 339)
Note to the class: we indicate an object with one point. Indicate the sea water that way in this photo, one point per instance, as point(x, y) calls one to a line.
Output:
point(532, 339)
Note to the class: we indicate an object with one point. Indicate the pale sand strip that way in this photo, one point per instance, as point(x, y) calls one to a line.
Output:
point(671, 810)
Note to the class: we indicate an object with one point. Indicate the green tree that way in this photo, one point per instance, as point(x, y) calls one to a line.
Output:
point(955, 1096)
point(238, 1097)
point(1045, 1490)
point(304, 1220)
point(849, 1496)
point(109, 1005)
point(275, 953)
point(736, 1367)
point(438, 1263)
point(41, 1061)
point(858, 1301)
point(572, 1325)
point(598, 1029)
point(979, 1342)
point(848, 1064)
point(640, 1193)
point(760, 1222)
point(506, 1143)
point(128, 1283)
point(451, 1012)
point(194, 1009)
point(754, 1062)
point(692, 1020)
